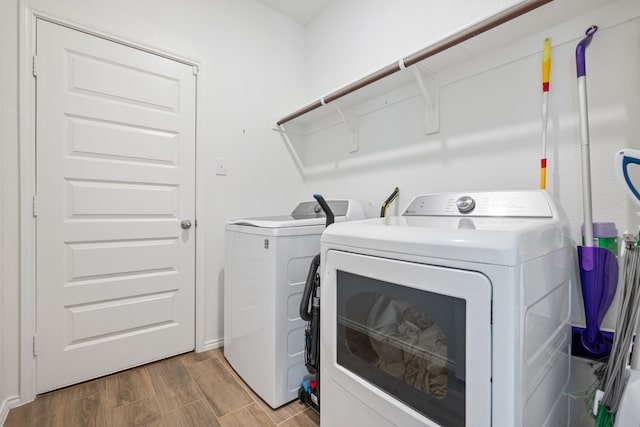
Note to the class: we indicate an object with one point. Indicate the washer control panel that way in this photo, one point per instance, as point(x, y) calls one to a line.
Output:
point(313, 210)
point(484, 204)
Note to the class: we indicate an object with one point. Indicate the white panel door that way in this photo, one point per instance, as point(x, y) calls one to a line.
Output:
point(115, 178)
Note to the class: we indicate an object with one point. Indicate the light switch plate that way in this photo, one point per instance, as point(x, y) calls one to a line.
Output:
point(220, 166)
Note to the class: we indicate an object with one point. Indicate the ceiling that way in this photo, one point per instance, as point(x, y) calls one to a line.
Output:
point(302, 11)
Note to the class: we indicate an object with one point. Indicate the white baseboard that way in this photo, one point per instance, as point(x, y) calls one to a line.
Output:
point(210, 345)
point(6, 405)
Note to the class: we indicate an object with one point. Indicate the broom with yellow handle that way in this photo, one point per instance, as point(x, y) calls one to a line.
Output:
point(546, 67)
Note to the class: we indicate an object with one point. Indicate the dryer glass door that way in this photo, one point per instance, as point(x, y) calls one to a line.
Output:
point(409, 330)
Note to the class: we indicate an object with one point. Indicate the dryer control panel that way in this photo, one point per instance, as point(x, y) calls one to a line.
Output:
point(530, 204)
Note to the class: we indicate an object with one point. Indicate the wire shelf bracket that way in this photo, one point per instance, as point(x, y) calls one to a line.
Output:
point(351, 122)
point(428, 84)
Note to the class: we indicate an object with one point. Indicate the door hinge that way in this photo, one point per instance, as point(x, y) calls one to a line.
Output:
point(35, 66)
point(35, 345)
point(35, 206)
point(196, 69)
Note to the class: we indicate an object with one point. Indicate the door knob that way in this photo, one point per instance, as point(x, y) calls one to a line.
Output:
point(185, 224)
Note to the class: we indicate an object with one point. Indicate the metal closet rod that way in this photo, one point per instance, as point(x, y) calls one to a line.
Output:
point(421, 55)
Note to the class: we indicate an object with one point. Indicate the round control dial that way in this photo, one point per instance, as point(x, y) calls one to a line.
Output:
point(465, 204)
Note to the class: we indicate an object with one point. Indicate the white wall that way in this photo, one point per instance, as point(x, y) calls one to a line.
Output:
point(9, 249)
point(361, 36)
point(490, 112)
point(248, 54)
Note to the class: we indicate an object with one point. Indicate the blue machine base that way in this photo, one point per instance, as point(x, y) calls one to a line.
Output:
point(577, 349)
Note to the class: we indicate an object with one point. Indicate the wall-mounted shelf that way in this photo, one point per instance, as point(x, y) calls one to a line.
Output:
point(408, 83)
point(417, 74)
point(442, 45)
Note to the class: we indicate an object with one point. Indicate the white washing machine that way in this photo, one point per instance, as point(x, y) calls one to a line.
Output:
point(453, 314)
point(267, 260)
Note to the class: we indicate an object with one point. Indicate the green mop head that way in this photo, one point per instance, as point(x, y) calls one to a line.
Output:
point(604, 418)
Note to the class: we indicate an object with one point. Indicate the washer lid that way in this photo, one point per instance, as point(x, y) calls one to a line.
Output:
point(306, 214)
point(281, 221)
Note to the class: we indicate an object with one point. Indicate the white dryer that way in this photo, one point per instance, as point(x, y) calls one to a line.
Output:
point(453, 314)
point(267, 260)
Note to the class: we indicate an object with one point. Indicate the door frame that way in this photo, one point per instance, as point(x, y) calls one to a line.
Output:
point(28, 169)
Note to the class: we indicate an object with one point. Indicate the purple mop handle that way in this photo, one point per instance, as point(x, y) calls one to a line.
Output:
point(581, 49)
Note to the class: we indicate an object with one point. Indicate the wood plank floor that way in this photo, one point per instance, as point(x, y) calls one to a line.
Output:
point(190, 390)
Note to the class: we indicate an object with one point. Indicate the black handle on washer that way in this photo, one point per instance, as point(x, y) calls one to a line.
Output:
point(325, 207)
